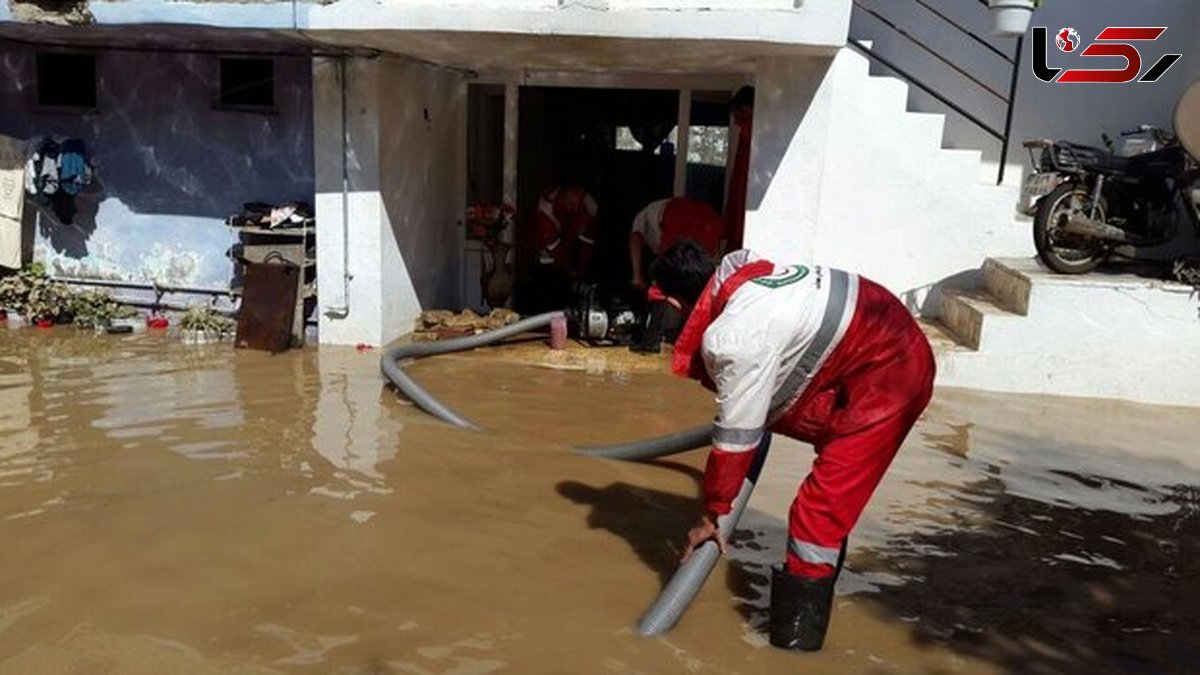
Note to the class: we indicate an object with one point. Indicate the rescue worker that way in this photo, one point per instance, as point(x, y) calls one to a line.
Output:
point(564, 233)
point(817, 354)
point(741, 117)
point(656, 228)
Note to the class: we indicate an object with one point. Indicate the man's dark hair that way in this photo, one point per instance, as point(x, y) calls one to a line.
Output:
point(683, 271)
point(743, 98)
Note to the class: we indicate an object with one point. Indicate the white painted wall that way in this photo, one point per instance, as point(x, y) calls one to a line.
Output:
point(350, 302)
point(841, 175)
point(405, 195)
point(794, 99)
point(818, 23)
point(423, 183)
point(789, 22)
point(1077, 111)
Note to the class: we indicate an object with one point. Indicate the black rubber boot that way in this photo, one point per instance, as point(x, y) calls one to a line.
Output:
point(800, 610)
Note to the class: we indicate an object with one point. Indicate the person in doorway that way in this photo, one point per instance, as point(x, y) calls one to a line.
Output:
point(741, 117)
point(564, 226)
point(656, 228)
point(816, 354)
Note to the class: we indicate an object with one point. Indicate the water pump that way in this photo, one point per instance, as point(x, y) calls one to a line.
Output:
point(602, 317)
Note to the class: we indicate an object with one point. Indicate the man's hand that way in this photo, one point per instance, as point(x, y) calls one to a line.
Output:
point(703, 531)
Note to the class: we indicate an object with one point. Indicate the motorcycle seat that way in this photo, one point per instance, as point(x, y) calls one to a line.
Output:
point(1164, 163)
point(1075, 156)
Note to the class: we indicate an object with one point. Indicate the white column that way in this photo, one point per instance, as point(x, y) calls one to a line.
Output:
point(682, 135)
point(788, 154)
point(348, 208)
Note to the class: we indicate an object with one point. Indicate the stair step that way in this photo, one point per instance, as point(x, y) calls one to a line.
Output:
point(964, 311)
point(887, 93)
point(928, 128)
point(1009, 286)
point(856, 62)
point(941, 339)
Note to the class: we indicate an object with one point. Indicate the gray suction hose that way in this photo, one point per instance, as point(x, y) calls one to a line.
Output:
point(683, 587)
point(390, 363)
point(659, 446)
point(685, 584)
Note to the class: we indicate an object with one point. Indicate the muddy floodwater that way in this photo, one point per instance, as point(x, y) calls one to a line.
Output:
point(167, 508)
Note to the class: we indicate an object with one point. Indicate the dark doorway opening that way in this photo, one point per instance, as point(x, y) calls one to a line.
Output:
point(618, 144)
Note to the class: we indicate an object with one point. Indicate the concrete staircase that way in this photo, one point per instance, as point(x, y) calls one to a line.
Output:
point(894, 203)
point(1024, 329)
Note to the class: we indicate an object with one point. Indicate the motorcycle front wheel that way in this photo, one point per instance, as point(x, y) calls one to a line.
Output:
point(1066, 252)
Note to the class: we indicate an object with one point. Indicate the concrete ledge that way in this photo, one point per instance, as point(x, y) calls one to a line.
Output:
point(1111, 336)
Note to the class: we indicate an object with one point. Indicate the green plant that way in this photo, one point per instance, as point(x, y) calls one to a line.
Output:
point(31, 293)
point(205, 320)
point(47, 300)
point(97, 308)
point(14, 289)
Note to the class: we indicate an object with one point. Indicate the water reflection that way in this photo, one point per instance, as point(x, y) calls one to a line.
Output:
point(1039, 551)
point(172, 508)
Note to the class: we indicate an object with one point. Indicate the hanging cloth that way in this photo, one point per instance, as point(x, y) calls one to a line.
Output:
point(12, 200)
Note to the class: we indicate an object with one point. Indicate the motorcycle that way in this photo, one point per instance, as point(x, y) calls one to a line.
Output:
point(1088, 202)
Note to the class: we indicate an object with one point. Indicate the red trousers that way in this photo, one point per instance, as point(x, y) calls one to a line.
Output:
point(856, 412)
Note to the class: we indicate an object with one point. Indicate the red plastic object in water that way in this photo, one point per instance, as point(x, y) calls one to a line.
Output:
point(157, 322)
point(45, 323)
point(363, 347)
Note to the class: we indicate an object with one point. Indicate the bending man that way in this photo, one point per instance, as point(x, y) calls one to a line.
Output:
point(819, 355)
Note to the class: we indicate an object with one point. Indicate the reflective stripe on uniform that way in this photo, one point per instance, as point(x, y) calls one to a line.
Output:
point(843, 296)
point(811, 553)
point(553, 245)
point(736, 440)
point(587, 240)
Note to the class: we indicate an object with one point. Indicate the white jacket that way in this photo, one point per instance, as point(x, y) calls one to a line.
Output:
point(774, 333)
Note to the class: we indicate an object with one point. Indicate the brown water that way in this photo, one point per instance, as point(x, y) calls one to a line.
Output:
point(179, 509)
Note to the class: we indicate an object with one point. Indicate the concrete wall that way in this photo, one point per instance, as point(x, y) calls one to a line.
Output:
point(170, 167)
point(1077, 111)
point(842, 175)
point(811, 22)
point(1098, 336)
point(405, 167)
point(423, 159)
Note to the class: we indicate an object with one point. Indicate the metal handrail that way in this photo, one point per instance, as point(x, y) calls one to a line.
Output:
point(928, 50)
point(1008, 116)
point(966, 31)
point(866, 51)
point(1004, 137)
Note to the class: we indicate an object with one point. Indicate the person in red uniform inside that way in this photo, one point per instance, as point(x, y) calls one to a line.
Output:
point(741, 116)
point(656, 228)
point(564, 233)
point(819, 355)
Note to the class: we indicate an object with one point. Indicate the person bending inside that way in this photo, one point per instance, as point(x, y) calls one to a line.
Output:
point(655, 229)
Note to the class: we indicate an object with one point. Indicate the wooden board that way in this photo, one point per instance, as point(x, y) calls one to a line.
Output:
point(292, 252)
point(268, 306)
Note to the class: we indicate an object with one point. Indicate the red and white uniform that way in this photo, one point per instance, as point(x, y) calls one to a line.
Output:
point(817, 354)
point(666, 221)
point(559, 234)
